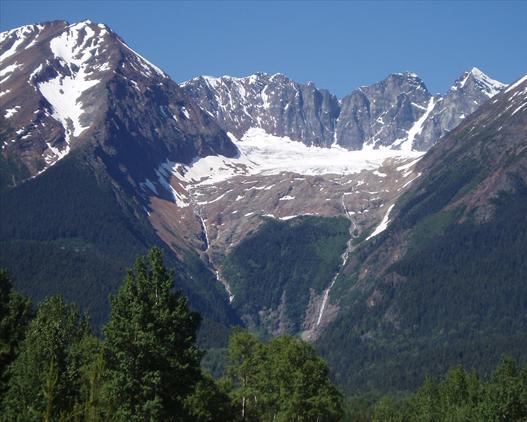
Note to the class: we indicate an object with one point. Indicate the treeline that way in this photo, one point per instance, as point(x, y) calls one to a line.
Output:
point(462, 396)
point(147, 367)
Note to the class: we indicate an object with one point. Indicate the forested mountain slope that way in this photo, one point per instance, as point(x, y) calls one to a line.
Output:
point(446, 282)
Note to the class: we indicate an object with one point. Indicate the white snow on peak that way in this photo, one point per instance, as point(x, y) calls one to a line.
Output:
point(20, 35)
point(488, 86)
point(74, 48)
point(261, 153)
point(214, 81)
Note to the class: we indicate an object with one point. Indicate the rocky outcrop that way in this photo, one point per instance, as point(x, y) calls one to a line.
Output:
point(396, 113)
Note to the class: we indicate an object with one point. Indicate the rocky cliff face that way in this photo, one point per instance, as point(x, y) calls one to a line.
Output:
point(274, 103)
point(396, 113)
point(64, 85)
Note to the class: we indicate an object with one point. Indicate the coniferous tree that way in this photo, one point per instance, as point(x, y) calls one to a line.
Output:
point(152, 361)
point(46, 378)
point(15, 312)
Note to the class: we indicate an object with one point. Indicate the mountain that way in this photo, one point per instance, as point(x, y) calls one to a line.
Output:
point(280, 207)
point(85, 120)
point(274, 103)
point(277, 177)
point(444, 283)
point(397, 112)
point(63, 84)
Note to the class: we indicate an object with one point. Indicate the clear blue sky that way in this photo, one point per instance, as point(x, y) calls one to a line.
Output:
point(338, 45)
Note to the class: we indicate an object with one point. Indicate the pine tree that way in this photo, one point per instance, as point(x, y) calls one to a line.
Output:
point(152, 361)
point(15, 312)
point(46, 378)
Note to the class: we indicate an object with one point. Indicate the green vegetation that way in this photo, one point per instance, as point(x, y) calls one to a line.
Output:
point(282, 380)
point(441, 189)
point(282, 262)
point(462, 396)
point(15, 313)
point(457, 297)
point(48, 377)
point(152, 360)
point(72, 232)
point(147, 367)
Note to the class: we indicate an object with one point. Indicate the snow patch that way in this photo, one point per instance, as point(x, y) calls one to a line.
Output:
point(383, 225)
point(64, 91)
point(517, 83)
point(11, 111)
point(417, 127)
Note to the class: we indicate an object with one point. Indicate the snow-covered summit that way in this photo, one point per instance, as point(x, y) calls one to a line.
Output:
point(398, 112)
point(57, 81)
point(481, 82)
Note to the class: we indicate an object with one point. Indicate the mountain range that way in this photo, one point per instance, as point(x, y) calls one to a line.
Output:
point(281, 207)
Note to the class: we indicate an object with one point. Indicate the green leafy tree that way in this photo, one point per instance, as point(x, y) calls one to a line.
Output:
point(46, 378)
point(280, 381)
point(462, 397)
point(388, 410)
point(244, 369)
point(15, 313)
point(298, 387)
point(92, 405)
point(210, 402)
point(152, 361)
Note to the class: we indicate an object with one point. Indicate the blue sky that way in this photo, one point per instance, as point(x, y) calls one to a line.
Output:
point(337, 45)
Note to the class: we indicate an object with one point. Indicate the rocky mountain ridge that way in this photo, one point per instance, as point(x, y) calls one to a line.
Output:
point(205, 166)
point(64, 84)
point(396, 113)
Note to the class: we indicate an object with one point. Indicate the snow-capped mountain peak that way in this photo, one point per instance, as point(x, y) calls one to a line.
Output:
point(480, 81)
point(59, 80)
point(397, 112)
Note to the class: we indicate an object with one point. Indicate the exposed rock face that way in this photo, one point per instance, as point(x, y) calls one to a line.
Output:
point(397, 113)
point(165, 147)
point(64, 84)
point(383, 113)
point(275, 103)
point(468, 93)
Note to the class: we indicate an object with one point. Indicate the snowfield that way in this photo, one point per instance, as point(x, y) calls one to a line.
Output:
point(261, 153)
